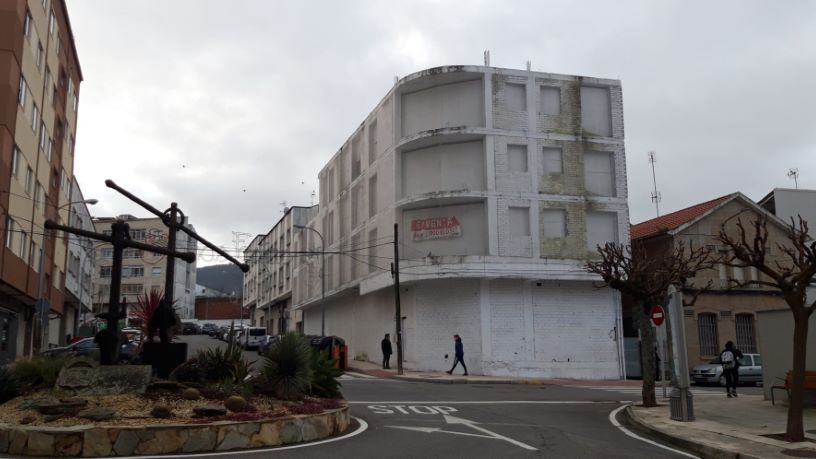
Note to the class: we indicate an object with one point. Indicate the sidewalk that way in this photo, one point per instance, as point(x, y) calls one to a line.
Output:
point(372, 369)
point(727, 428)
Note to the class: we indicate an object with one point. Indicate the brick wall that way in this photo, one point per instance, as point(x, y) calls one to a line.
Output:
point(218, 309)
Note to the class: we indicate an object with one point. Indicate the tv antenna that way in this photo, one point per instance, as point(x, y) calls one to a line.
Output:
point(312, 198)
point(656, 197)
point(793, 173)
point(238, 239)
point(284, 208)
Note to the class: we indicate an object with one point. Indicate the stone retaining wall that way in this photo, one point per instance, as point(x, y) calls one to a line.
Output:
point(98, 441)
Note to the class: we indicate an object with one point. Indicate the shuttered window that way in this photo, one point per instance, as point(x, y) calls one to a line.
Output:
point(746, 340)
point(709, 338)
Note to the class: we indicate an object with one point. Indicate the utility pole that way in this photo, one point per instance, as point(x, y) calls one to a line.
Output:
point(398, 313)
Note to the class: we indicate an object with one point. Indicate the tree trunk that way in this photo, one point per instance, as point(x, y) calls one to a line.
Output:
point(795, 429)
point(647, 357)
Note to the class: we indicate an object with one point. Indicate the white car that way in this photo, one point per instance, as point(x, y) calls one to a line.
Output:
point(750, 371)
point(251, 337)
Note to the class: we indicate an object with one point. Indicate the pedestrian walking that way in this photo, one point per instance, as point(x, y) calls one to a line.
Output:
point(386, 350)
point(459, 355)
point(729, 359)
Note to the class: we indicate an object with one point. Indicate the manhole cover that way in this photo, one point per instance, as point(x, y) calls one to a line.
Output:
point(799, 452)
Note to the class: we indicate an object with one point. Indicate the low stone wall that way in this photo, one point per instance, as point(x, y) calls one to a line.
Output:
point(98, 441)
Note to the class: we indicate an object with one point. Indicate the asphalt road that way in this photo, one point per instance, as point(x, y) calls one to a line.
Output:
point(414, 419)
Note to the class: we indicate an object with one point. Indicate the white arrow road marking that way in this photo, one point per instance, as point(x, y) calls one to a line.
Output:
point(437, 429)
point(472, 424)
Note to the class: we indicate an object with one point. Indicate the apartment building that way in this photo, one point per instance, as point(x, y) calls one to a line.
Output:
point(145, 271)
point(726, 311)
point(502, 183)
point(39, 96)
point(79, 269)
point(268, 284)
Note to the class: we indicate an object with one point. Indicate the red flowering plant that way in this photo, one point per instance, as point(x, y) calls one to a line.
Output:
point(145, 311)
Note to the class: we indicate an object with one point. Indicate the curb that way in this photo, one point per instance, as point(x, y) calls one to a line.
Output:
point(456, 381)
point(704, 450)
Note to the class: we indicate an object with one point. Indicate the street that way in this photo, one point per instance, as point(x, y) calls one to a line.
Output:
point(414, 419)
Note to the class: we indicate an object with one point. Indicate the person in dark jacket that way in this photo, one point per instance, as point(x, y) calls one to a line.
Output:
point(386, 350)
point(459, 355)
point(729, 359)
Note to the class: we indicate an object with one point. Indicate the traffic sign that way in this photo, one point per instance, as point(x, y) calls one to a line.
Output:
point(658, 315)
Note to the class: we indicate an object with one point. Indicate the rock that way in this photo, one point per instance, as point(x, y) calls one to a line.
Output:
point(27, 420)
point(96, 442)
point(40, 444)
point(191, 394)
point(148, 444)
point(290, 431)
point(161, 412)
point(68, 444)
point(97, 414)
point(4, 440)
point(125, 443)
point(63, 406)
point(231, 438)
point(236, 403)
point(200, 440)
point(17, 441)
point(170, 440)
point(52, 417)
point(209, 410)
point(269, 435)
point(78, 374)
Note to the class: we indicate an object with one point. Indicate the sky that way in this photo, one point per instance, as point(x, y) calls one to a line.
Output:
point(232, 108)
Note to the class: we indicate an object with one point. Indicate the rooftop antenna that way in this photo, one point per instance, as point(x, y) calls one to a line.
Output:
point(312, 198)
point(396, 79)
point(487, 58)
point(793, 173)
point(529, 66)
point(283, 204)
point(655, 194)
point(238, 239)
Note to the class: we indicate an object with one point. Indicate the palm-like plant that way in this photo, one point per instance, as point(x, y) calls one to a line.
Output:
point(288, 370)
point(324, 375)
point(145, 309)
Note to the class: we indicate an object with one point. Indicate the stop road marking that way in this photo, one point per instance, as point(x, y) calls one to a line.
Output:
point(407, 409)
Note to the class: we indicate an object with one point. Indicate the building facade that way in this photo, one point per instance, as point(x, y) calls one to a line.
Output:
point(502, 183)
point(80, 267)
point(145, 271)
point(39, 96)
point(268, 284)
point(726, 311)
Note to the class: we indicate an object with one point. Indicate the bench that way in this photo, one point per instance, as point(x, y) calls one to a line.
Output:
point(810, 383)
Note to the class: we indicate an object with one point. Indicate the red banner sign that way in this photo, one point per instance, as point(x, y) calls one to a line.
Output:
point(435, 228)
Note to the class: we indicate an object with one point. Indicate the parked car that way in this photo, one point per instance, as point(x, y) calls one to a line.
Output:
point(189, 328)
point(750, 371)
point(265, 343)
point(209, 328)
point(251, 337)
point(86, 347)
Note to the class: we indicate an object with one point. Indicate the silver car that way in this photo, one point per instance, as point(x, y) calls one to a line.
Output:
point(750, 371)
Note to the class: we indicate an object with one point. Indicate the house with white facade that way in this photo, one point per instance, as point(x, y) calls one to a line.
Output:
point(502, 183)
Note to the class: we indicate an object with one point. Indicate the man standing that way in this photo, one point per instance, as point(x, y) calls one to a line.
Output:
point(459, 355)
point(386, 350)
point(729, 359)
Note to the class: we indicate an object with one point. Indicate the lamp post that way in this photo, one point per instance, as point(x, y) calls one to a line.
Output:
point(322, 278)
point(43, 309)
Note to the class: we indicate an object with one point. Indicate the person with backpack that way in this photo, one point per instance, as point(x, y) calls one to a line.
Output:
point(729, 359)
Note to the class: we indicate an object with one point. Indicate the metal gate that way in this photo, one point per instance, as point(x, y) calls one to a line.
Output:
point(8, 336)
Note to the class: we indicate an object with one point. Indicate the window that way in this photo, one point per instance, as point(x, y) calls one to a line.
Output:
point(23, 245)
point(596, 117)
point(355, 205)
point(156, 271)
point(602, 227)
point(39, 198)
point(10, 227)
point(372, 196)
point(517, 158)
point(49, 147)
point(52, 23)
point(550, 100)
point(39, 58)
point(516, 97)
point(43, 136)
point(132, 289)
point(746, 340)
point(15, 160)
point(131, 253)
point(519, 221)
point(599, 172)
point(132, 271)
point(74, 101)
point(35, 118)
point(23, 91)
point(372, 141)
point(29, 180)
point(372, 250)
point(107, 253)
point(35, 257)
point(138, 234)
point(27, 24)
point(553, 223)
point(44, 4)
point(709, 338)
point(551, 162)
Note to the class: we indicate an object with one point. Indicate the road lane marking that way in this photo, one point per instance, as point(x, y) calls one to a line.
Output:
point(489, 434)
point(613, 419)
point(418, 409)
point(483, 402)
point(437, 429)
point(363, 426)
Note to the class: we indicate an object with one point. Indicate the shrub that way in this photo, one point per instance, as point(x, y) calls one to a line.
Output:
point(287, 371)
point(8, 385)
point(235, 403)
point(220, 364)
point(189, 371)
point(324, 381)
point(161, 411)
point(40, 371)
point(191, 394)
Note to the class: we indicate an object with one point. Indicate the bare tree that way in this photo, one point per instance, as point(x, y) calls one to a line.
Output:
point(790, 274)
point(645, 278)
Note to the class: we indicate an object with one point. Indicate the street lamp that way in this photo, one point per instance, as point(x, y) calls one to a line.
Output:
point(322, 278)
point(41, 281)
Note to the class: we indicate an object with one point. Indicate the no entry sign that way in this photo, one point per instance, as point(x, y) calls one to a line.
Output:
point(658, 315)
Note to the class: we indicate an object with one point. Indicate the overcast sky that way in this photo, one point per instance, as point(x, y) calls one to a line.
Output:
point(230, 108)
